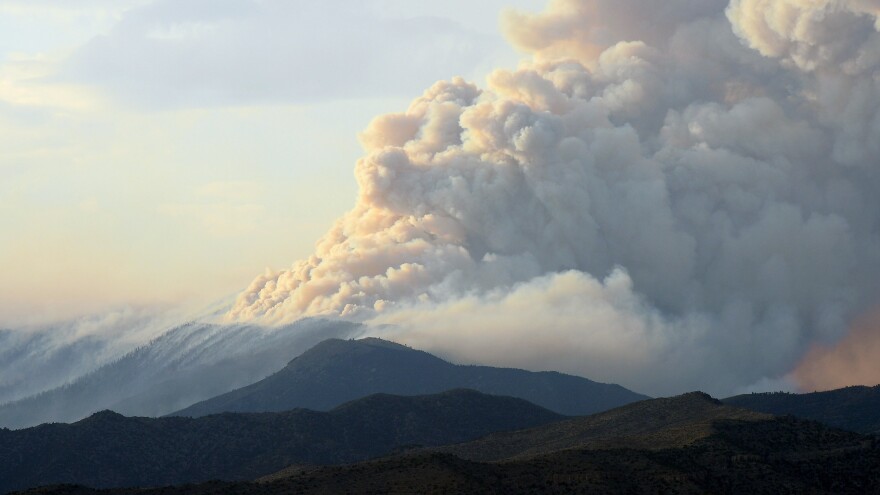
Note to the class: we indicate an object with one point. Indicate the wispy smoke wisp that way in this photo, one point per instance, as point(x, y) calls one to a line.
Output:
point(37, 358)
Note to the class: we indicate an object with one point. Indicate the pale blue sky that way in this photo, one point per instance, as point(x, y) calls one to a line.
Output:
point(153, 150)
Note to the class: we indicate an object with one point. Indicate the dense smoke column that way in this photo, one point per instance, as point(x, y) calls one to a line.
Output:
point(689, 202)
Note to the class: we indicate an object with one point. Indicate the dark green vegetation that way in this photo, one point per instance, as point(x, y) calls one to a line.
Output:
point(336, 371)
point(689, 444)
point(851, 408)
point(108, 449)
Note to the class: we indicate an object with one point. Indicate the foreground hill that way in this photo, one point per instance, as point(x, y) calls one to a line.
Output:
point(851, 408)
point(108, 449)
point(690, 444)
point(337, 371)
point(651, 424)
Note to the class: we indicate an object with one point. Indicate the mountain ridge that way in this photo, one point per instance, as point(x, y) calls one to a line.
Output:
point(854, 408)
point(731, 451)
point(336, 370)
point(108, 449)
point(681, 420)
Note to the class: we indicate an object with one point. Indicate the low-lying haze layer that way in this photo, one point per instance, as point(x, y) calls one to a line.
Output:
point(670, 195)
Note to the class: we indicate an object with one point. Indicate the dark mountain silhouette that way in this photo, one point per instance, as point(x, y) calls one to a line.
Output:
point(108, 449)
point(851, 408)
point(337, 371)
point(690, 444)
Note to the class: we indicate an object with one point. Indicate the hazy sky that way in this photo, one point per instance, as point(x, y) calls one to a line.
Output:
point(149, 148)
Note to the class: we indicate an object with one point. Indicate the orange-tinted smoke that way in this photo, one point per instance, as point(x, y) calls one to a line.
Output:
point(855, 360)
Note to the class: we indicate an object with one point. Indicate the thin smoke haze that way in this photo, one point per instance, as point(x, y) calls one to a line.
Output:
point(669, 195)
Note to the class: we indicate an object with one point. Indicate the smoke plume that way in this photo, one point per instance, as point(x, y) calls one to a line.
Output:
point(670, 195)
point(853, 360)
point(37, 358)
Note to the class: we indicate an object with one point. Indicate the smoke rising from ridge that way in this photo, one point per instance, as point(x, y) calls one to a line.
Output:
point(852, 361)
point(684, 203)
point(38, 358)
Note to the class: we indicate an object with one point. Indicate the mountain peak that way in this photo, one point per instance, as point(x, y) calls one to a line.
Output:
point(104, 416)
point(334, 347)
point(698, 396)
point(107, 413)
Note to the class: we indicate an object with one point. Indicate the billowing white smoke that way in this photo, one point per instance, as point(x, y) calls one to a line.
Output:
point(671, 195)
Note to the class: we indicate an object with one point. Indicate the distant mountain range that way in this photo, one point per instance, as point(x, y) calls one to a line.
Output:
point(851, 408)
point(108, 449)
point(336, 371)
point(690, 444)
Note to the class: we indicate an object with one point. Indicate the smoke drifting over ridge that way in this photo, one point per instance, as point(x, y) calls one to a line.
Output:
point(670, 195)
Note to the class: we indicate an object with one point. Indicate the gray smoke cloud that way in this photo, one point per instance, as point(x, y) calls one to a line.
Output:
point(669, 195)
